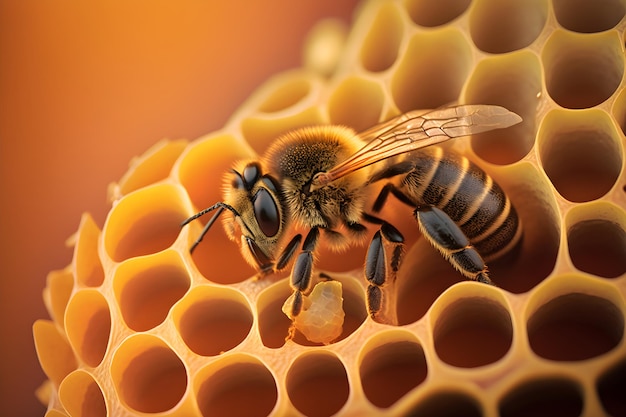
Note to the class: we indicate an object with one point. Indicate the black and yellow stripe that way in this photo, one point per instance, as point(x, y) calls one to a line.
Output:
point(466, 194)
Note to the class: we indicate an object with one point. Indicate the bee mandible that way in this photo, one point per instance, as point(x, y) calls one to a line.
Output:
point(318, 179)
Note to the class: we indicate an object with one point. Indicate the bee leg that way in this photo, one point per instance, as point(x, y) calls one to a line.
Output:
point(450, 240)
point(381, 273)
point(302, 270)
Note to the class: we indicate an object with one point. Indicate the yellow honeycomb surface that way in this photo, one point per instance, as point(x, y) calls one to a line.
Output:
point(140, 326)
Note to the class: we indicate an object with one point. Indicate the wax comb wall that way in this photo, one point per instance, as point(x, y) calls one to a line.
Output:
point(140, 326)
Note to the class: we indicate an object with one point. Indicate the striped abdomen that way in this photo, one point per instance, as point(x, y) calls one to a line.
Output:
point(466, 194)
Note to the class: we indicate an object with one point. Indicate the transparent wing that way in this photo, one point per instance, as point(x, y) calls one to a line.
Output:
point(418, 129)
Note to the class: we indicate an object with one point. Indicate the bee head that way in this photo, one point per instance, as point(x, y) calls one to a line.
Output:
point(257, 219)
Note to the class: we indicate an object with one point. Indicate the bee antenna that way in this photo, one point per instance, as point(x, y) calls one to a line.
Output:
point(220, 209)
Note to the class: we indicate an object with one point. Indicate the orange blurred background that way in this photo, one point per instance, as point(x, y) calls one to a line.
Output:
point(84, 87)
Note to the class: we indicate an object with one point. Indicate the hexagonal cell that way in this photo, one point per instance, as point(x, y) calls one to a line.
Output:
point(587, 17)
point(428, 13)
point(432, 70)
point(575, 318)
point(203, 170)
point(580, 151)
point(356, 102)
point(445, 402)
point(146, 288)
point(147, 375)
point(284, 103)
point(582, 70)
point(512, 81)
point(88, 325)
point(391, 364)
point(144, 222)
point(235, 385)
point(274, 324)
point(212, 320)
point(379, 50)
point(596, 238)
point(543, 396)
point(313, 373)
point(498, 27)
point(285, 95)
point(53, 351)
point(154, 165)
point(86, 260)
point(81, 395)
point(610, 388)
point(471, 326)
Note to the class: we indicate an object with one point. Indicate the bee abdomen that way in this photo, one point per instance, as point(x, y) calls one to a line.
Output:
point(468, 196)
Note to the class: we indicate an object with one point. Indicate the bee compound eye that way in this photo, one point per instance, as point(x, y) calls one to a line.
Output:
point(266, 212)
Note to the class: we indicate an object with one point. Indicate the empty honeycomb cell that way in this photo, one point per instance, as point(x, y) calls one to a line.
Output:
point(144, 222)
point(498, 27)
point(146, 288)
point(587, 17)
point(512, 81)
point(580, 152)
point(423, 276)
point(596, 238)
point(582, 70)
point(81, 395)
point(471, 326)
point(357, 103)
point(212, 320)
point(445, 402)
point(283, 104)
point(429, 14)
point(380, 46)
point(261, 130)
point(147, 375)
point(153, 166)
point(274, 324)
point(317, 384)
point(392, 364)
point(610, 388)
point(57, 293)
point(286, 95)
point(53, 351)
point(236, 385)
point(201, 170)
point(87, 265)
point(543, 396)
point(432, 71)
point(88, 325)
point(325, 45)
point(575, 318)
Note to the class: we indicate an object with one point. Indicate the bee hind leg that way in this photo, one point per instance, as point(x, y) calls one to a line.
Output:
point(381, 272)
point(450, 240)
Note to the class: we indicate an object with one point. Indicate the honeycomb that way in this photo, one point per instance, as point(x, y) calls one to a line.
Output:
point(139, 326)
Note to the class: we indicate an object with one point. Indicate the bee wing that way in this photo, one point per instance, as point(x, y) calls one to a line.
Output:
point(418, 129)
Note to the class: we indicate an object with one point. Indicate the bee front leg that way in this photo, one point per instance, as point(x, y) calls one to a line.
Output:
point(302, 270)
point(381, 274)
point(450, 240)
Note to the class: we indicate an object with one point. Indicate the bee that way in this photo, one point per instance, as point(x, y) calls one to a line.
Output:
point(317, 180)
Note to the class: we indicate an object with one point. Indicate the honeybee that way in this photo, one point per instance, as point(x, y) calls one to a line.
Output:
point(318, 179)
